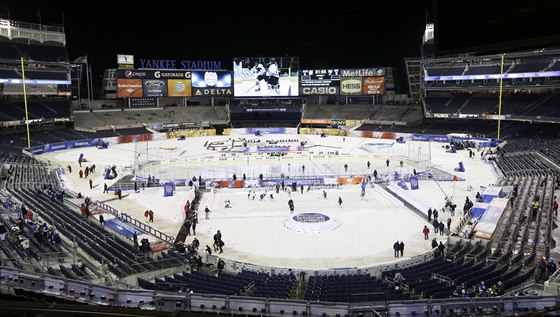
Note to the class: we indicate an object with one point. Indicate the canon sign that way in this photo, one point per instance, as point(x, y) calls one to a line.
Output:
point(319, 90)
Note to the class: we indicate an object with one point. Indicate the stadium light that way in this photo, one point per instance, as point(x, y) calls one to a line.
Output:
point(25, 102)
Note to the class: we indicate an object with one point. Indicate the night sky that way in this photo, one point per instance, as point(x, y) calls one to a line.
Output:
point(341, 34)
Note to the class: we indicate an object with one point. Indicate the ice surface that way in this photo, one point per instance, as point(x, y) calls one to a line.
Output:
point(254, 230)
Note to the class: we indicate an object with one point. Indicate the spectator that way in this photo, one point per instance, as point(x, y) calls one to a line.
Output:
point(426, 231)
point(396, 249)
point(441, 248)
point(80, 265)
point(3, 232)
point(221, 265)
point(24, 242)
point(398, 279)
point(291, 274)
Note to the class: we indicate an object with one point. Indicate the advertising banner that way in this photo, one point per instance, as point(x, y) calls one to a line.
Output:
point(129, 88)
point(430, 137)
point(153, 74)
point(413, 182)
point(320, 81)
point(351, 86)
point(316, 121)
point(154, 87)
point(289, 182)
point(211, 83)
point(30, 89)
point(179, 88)
point(362, 72)
point(125, 61)
point(373, 85)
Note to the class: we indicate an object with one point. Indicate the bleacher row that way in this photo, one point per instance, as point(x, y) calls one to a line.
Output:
point(527, 65)
point(30, 174)
point(8, 157)
point(194, 114)
point(351, 288)
point(48, 53)
point(543, 105)
point(386, 112)
point(44, 109)
point(99, 244)
point(246, 282)
point(516, 247)
point(14, 143)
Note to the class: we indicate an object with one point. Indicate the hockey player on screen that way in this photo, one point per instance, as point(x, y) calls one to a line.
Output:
point(273, 77)
point(260, 72)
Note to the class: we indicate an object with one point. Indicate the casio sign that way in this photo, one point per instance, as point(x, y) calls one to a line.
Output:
point(154, 83)
point(319, 90)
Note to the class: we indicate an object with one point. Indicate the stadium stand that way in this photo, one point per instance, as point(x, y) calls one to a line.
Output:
point(506, 263)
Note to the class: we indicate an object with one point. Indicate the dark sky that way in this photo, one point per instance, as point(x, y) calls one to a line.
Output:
point(351, 33)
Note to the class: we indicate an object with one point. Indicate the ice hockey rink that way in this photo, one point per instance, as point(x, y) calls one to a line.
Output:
point(358, 233)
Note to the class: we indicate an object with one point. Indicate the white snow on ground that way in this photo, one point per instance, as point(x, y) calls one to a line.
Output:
point(255, 231)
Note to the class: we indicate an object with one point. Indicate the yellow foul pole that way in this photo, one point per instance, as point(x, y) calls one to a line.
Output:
point(25, 102)
point(500, 99)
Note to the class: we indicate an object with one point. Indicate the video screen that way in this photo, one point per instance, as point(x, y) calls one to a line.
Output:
point(266, 76)
point(211, 83)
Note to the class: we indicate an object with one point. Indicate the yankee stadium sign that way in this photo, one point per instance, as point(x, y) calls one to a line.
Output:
point(178, 64)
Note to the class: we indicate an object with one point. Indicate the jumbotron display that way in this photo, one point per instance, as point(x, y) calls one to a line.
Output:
point(320, 82)
point(266, 76)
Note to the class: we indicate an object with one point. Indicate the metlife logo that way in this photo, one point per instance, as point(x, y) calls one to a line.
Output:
point(362, 72)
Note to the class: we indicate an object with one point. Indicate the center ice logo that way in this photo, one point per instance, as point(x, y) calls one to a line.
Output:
point(311, 217)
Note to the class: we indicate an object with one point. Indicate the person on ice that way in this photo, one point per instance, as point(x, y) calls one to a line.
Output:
point(340, 201)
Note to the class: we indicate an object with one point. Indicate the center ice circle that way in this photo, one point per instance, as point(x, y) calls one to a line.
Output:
point(311, 217)
point(311, 222)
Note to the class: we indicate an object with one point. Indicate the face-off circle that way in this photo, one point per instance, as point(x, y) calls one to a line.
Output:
point(311, 222)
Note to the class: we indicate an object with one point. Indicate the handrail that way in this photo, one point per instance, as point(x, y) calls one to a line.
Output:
point(126, 218)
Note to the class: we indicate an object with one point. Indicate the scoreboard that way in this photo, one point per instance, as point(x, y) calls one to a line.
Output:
point(320, 81)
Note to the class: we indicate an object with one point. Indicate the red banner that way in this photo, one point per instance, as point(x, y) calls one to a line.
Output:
point(129, 88)
point(373, 85)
